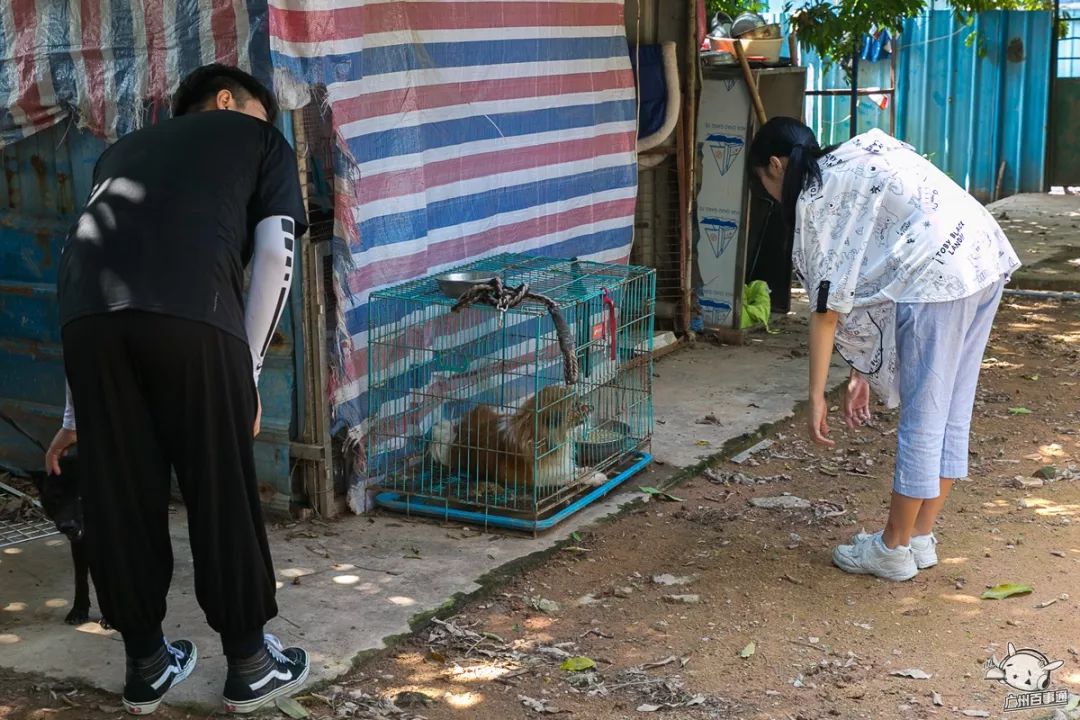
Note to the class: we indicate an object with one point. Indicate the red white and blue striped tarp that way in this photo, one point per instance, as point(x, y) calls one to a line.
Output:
point(464, 129)
point(111, 64)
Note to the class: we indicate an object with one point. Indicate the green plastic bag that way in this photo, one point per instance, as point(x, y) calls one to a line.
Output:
point(756, 305)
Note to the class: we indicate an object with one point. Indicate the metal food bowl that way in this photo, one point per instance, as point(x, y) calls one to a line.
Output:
point(746, 23)
point(602, 443)
point(455, 285)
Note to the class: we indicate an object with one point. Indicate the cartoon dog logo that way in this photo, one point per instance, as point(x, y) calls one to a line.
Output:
point(1025, 669)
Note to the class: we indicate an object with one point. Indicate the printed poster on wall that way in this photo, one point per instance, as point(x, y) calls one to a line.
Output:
point(723, 116)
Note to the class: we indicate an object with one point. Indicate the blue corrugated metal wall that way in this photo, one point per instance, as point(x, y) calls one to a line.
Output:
point(972, 106)
point(968, 96)
point(42, 178)
point(45, 180)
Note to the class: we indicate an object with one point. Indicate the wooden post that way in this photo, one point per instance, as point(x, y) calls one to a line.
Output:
point(685, 251)
point(854, 125)
point(687, 140)
point(314, 452)
point(1052, 123)
point(892, 84)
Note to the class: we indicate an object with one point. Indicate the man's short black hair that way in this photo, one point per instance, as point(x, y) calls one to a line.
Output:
point(203, 84)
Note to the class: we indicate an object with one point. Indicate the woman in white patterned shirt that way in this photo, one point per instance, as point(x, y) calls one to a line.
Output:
point(904, 271)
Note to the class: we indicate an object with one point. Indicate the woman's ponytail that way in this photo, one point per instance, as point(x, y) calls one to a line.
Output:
point(786, 137)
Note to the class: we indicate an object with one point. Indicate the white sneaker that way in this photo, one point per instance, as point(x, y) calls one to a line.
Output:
point(923, 547)
point(867, 555)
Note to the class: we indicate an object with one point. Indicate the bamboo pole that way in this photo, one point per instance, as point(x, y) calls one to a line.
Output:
point(751, 83)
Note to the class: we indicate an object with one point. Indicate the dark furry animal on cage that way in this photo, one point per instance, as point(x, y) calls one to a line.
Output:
point(60, 499)
point(530, 449)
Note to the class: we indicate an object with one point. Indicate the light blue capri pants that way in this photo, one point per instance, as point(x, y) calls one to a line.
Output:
point(940, 349)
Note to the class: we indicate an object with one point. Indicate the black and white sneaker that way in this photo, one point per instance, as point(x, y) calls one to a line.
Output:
point(272, 672)
point(148, 679)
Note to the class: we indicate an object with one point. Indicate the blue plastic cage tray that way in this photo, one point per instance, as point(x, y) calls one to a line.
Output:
point(432, 507)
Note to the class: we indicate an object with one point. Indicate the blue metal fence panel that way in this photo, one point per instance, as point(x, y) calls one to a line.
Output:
point(969, 96)
point(830, 116)
point(1069, 60)
point(44, 180)
point(1068, 65)
point(977, 104)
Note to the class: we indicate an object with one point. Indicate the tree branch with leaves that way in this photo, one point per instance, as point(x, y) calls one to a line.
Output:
point(834, 30)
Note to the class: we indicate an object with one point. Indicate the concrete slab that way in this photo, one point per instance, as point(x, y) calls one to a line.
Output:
point(707, 395)
point(346, 587)
point(1045, 232)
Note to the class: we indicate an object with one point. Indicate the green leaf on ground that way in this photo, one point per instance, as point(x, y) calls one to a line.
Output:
point(659, 494)
point(1019, 411)
point(575, 536)
point(1005, 590)
point(748, 650)
point(578, 663)
point(292, 708)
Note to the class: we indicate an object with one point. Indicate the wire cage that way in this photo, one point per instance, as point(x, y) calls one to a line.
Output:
point(475, 415)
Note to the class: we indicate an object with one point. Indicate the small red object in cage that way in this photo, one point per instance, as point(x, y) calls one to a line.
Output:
point(609, 304)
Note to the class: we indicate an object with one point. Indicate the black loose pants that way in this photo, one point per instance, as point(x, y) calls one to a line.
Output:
point(154, 393)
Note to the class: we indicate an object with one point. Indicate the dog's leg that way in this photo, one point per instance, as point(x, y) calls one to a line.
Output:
point(80, 608)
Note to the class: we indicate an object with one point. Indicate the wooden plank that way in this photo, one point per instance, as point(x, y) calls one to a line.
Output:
point(314, 452)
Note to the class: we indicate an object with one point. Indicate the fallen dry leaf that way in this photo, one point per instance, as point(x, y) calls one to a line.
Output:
point(540, 706)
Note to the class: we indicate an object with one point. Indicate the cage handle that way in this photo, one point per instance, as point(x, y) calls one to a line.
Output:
point(502, 298)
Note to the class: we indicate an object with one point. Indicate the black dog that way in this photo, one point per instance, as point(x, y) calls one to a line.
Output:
point(60, 499)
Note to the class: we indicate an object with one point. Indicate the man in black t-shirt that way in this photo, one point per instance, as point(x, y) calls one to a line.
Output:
point(162, 355)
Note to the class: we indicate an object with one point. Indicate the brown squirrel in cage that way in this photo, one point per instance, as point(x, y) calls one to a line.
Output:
point(532, 448)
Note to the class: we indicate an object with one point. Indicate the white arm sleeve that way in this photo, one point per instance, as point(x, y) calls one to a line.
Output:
point(271, 276)
point(69, 409)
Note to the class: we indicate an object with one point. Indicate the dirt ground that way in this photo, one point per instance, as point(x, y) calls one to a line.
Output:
point(705, 606)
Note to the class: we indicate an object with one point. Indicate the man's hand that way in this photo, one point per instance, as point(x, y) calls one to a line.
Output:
point(258, 415)
point(819, 426)
point(63, 440)
point(857, 401)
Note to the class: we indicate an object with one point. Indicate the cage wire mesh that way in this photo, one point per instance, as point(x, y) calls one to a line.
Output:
point(471, 410)
point(21, 517)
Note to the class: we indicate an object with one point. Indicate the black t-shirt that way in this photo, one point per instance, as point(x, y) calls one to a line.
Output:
point(168, 226)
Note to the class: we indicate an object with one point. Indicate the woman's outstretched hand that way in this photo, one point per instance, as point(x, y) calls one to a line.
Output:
point(819, 425)
point(857, 401)
point(60, 444)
